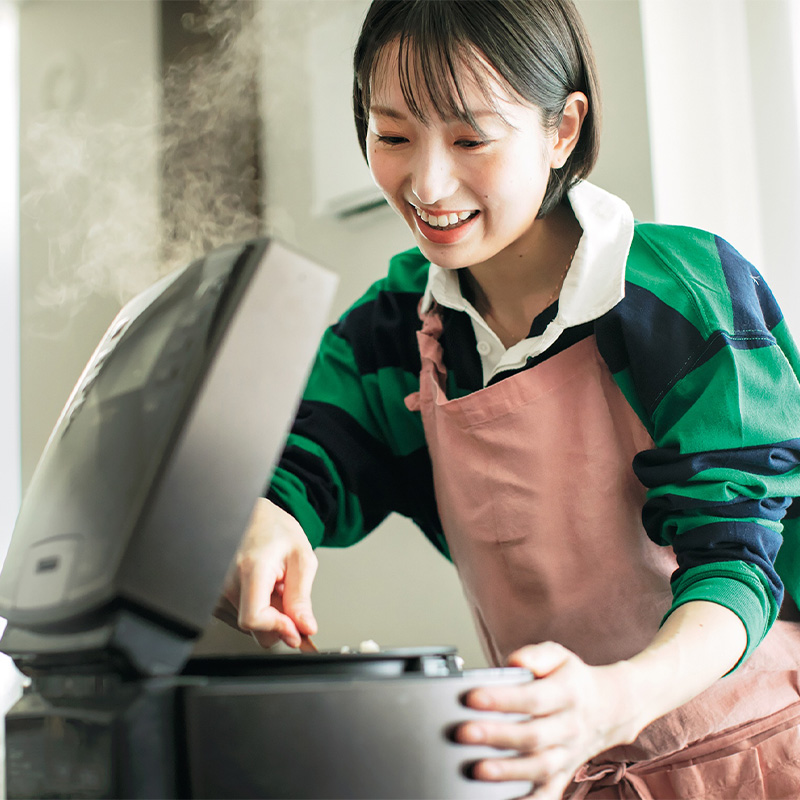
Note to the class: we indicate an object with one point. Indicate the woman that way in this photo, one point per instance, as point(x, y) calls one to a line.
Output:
point(596, 420)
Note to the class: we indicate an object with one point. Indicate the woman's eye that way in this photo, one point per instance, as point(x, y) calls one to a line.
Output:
point(471, 144)
point(392, 140)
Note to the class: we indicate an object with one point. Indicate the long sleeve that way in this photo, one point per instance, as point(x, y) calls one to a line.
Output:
point(701, 351)
point(355, 452)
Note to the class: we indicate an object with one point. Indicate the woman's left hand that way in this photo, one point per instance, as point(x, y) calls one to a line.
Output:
point(575, 712)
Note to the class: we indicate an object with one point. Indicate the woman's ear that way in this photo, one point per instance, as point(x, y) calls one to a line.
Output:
point(569, 130)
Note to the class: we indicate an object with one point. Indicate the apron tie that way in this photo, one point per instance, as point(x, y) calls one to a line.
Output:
point(629, 785)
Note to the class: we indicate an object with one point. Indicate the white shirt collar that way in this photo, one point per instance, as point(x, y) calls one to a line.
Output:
point(594, 284)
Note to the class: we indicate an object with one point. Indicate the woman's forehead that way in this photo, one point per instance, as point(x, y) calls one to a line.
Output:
point(409, 77)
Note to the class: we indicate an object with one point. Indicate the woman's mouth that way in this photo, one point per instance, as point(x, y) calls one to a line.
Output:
point(446, 227)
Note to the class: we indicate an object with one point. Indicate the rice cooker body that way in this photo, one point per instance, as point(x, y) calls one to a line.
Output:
point(339, 737)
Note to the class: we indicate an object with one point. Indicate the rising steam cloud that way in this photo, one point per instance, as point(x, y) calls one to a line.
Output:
point(112, 231)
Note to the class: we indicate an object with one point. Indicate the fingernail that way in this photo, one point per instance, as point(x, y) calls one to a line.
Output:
point(473, 734)
point(490, 770)
point(308, 622)
point(291, 638)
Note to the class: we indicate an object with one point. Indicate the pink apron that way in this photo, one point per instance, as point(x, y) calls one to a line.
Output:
point(542, 515)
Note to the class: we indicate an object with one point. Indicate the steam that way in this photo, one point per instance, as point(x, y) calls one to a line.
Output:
point(211, 191)
point(99, 221)
point(112, 230)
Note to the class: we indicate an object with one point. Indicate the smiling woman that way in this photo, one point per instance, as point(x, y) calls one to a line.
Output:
point(570, 403)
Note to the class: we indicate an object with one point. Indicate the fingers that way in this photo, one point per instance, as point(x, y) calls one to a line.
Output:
point(300, 571)
point(562, 720)
point(535, 698)
point(540, 768)
point(548, 693)
point(549, 771)
point(541, 659)
point(526, 737)
point(272, 577)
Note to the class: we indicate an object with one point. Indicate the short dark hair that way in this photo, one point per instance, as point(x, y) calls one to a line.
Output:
point(539, 48)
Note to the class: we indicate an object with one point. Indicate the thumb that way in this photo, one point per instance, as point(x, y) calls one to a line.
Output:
point(540, 659)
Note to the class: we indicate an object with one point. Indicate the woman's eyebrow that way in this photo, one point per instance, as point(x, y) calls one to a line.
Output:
point(387, 111)
point(393, 113)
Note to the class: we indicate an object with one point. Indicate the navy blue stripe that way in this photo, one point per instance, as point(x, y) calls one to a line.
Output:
point(311, 471)
point(754, 306)
point(637, 328)
point(737, 541)
point(664, 465)
point(541, 321)
point(382, 332)
point(459, 351)
point(641, 325)
point(367, 468)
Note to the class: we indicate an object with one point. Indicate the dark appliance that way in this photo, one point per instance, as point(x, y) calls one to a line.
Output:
point(121, 548)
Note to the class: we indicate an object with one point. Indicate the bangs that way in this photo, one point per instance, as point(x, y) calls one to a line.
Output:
point(433, 67)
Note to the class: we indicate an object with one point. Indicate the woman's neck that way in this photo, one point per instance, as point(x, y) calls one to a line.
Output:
point(512, 289)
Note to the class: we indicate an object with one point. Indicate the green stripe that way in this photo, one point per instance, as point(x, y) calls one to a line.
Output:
point(335, 379)
point(348, 527)
point(787, 564)
point(400, 428)
point(375, 401)
point(408, 273)
point(292, 492)
point(725, 484)
point(788, 345)
point(693, 281)
point(742, 588)
point(753, 391)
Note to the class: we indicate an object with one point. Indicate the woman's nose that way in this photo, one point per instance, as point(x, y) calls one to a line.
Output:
point(433, 177)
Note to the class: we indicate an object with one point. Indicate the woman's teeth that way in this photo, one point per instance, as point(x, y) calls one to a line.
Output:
point(443, 220)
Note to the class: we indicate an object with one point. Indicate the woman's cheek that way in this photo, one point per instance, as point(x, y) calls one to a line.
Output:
point(378, 169)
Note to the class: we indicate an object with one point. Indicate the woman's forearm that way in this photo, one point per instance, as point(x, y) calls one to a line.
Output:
point(698, 644)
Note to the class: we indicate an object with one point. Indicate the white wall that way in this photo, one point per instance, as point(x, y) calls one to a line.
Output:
point(88, 174)
point(9, 273)
point(774, 43)
point(722, 100)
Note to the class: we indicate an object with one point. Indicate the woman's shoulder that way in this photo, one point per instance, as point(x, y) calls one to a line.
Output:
point(696, 273)
point(660, 251)
point(386, 316)
point(408, 271)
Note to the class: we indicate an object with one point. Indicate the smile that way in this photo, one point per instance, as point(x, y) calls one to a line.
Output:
point(447, 228)
point(447, 220)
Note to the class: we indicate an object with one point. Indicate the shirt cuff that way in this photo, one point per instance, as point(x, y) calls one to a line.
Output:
point(740, 587)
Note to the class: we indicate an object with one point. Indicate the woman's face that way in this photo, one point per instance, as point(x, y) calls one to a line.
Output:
point(468, 199)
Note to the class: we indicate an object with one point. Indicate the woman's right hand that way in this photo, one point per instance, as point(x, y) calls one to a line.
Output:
point(267, 591)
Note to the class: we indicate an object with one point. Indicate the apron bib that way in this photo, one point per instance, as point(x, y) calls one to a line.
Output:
point(541, 511)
